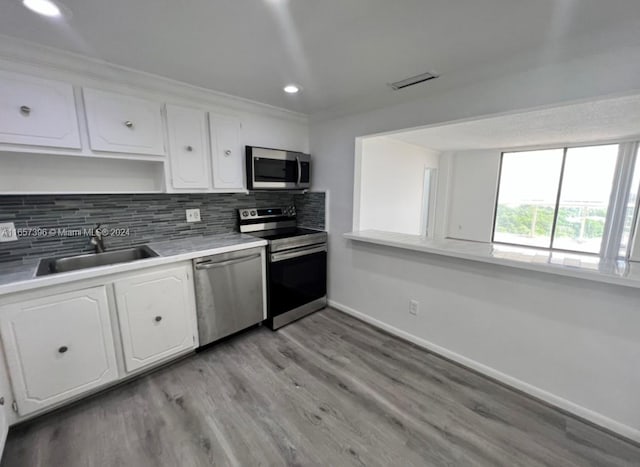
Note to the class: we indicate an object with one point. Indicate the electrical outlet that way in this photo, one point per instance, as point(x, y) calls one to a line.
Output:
point(8, 232)
point(414, 306)
point(193, 215)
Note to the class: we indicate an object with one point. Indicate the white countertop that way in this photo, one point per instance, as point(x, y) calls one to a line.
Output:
point(20, 277)
point(587, 267)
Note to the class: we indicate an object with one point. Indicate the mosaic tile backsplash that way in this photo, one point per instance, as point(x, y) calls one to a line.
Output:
point(134, 219)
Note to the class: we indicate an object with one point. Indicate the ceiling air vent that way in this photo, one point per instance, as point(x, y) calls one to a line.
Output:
point(405, 83)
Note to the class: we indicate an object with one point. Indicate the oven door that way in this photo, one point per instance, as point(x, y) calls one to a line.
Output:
point(297, 279)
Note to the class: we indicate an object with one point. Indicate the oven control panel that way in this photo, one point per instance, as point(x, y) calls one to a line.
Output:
point(265, 213)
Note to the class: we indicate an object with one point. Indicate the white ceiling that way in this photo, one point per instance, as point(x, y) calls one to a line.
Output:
point(598, 121)
point(339, 51)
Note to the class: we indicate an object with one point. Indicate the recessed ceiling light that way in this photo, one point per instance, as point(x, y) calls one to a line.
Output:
point(43, 7)
point(291, 89)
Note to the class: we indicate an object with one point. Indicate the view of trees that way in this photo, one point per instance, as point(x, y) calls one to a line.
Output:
point(577, 181)
point(578, 222)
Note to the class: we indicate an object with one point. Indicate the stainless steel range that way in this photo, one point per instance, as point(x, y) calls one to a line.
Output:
point(297, 265)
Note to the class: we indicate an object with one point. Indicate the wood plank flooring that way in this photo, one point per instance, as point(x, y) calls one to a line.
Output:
point(328, 390)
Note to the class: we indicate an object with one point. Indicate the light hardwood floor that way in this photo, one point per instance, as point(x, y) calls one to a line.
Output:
point(328, 390)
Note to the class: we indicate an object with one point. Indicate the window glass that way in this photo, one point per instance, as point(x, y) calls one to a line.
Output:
point(630, 209)
point(527, 197)
point(584, 198)
point(273, 170)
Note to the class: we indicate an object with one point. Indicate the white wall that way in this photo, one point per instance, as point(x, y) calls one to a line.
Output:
point(471, 194)
point(48, 173)
point(391, 184)
point(572, 342)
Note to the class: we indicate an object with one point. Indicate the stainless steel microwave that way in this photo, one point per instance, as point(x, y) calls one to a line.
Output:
point(273, 169)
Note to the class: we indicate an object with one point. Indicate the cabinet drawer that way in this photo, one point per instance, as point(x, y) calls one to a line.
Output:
point(119, 123)
point(188, 151)
point(58, 347)
point(157, 316)
point(37, 112)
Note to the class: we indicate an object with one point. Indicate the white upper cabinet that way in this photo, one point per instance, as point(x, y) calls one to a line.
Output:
point(58, 347)
point(157, 316)
point(124, 124)
point(188, 151)
point(38, 112)
point(226, 152)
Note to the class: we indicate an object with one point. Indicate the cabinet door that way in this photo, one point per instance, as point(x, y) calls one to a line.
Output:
point(37, 112)
point(4, 429)
point(188, 152)
point(157, 316)
point(226, 152)
point(119, 123)
point(5, 402)
point(58, 347)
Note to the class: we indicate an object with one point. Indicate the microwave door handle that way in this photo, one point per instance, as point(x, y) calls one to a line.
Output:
point(299, 170)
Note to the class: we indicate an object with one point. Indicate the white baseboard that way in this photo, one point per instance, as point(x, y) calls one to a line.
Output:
point(550, 398)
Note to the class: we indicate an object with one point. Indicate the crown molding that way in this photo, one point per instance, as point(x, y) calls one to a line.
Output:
point(20, 55)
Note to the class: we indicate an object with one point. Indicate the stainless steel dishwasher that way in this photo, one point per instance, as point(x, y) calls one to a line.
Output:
point(229, 293)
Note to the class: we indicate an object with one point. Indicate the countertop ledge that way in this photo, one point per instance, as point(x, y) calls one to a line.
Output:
point(21, 277)
point(587, 267)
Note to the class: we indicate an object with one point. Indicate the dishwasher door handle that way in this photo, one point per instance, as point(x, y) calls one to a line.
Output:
point(221, 264)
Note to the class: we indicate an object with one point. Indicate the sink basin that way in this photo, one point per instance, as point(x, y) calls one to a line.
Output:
point(74, 263)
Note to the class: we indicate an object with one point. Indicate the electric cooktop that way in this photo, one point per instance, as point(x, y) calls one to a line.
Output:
point(277, 234)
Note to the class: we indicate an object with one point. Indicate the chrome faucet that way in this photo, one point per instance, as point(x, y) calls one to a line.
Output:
point(97, 240)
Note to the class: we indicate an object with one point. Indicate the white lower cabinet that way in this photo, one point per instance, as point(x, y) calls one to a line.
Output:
point(61, 345)
point(157, 316)
point(58, 347)
point(5, 404)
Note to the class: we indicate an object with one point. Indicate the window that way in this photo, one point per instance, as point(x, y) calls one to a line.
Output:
point(527, 197)
point(560, 198)
point(584, 198)
point(630, 207)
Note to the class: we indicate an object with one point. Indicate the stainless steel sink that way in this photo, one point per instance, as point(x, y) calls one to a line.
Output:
point(74, 263)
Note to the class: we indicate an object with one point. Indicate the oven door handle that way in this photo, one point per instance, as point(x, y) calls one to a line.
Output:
point(219, 264)
point(275, 257)
point(299, 170)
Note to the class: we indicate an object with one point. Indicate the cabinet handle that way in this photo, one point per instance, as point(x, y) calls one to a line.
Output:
point(227, 152)
point(63, 349)
point(158, 319)
point(25, 109)
point(189, 148)
point(128, 124)
point(1, 400)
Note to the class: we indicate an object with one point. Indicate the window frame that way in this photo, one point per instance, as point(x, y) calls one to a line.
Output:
point(627, 161)
point(429, 193)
